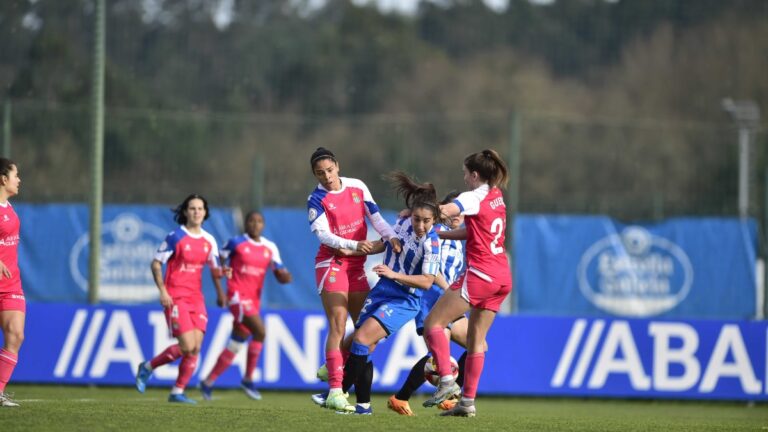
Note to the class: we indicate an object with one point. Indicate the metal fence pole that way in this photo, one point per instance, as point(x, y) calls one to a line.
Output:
point(7, 128)
point(513, 195)
point(97, 151)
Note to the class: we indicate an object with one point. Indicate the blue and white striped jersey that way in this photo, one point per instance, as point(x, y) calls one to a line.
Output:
point(418, 255)
point(451, 256)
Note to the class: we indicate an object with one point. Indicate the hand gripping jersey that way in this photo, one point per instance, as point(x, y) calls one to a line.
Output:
point(250, 260)
point(9, 247)
point(185, 255)
point(338, 218)
point(486, 223)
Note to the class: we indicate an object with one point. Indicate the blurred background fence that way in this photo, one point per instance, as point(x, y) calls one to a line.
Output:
point(632, 169)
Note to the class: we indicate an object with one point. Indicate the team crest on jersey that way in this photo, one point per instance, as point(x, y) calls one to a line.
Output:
point(266, 253)
point(332, 279)
point(6, 218)
point(247, 250)
point(205, 248)
point(186, 247)
point(355, 198)
point(312, 214)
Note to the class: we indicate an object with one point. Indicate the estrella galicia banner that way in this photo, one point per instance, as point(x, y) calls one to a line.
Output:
point(597, 266)
point(544, 356)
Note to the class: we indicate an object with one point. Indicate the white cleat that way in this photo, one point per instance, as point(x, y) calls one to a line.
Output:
point(5, 401)
point(461, 410)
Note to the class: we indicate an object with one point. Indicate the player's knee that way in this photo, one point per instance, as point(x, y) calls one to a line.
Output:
point(14, 339)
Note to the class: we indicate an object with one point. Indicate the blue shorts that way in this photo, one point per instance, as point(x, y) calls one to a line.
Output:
point(428, 299)
point(391, 313)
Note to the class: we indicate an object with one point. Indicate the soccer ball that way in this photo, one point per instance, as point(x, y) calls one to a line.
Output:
point(433, 376)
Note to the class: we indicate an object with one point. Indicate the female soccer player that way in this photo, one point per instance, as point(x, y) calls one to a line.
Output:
point(12, 303)
point(483, 286)
point(250, 256)
point(185, 251)
point(452, 265)
point(337, 210)
point(404, 276)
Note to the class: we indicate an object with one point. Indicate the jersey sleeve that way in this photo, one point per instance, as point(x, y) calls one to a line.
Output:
point(469, 202)
point(431, 245)
point(213, 254)
point(277, 261)
point(167, 247)
point(228, 249)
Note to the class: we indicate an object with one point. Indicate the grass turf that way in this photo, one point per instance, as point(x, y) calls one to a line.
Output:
point(60, 408)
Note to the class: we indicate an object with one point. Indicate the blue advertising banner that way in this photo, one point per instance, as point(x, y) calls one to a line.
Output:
point(597, 266)
point(53, 252)
point(541, 356)
point(53, 256)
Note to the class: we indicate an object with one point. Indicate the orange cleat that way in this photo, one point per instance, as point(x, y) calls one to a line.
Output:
point(399, 406)
point(447, 404)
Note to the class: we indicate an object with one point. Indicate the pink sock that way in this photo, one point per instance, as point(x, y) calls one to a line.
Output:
point(335, 364)
point(225, 359)
point(440, 349)
point(8, 361)
point(254, 351)
point(170, 354)
point(186, 369)
point(473, 367)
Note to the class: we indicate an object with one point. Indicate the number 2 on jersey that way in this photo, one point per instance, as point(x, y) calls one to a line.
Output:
point(497, 227)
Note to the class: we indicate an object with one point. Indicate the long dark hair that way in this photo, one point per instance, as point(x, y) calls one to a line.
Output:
point(416, 195)
point(6, 165)
point(178, 212)
point(489, 166)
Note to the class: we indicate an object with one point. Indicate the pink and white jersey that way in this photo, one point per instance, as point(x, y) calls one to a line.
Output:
point(338, 217)
point(486, 222)
point(250, 260)
point(9, 248)
point(185, 255)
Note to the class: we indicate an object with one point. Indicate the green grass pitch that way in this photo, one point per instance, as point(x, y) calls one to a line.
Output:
point(60, 408)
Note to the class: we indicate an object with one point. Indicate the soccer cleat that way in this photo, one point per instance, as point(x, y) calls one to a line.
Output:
point(181, 398)
point(206, 390)
point(399, 406)
point(5, 401)
point(461, 410)
point(358, 410)
point(322, 373)
point(319, 398)
point(142, 376)
point(447, 404)
point(338, 401)
point(250, 389)
point(450, 402)
point(443, 392)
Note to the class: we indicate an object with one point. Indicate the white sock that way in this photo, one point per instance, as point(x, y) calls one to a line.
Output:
point(177, 391)
point(364, 405)
point(148, 365)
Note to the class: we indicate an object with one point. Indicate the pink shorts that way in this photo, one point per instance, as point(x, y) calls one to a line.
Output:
point(482, 292)
point(241, 307)
point(342, 276)
point(13, 301)
point(186, 315)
